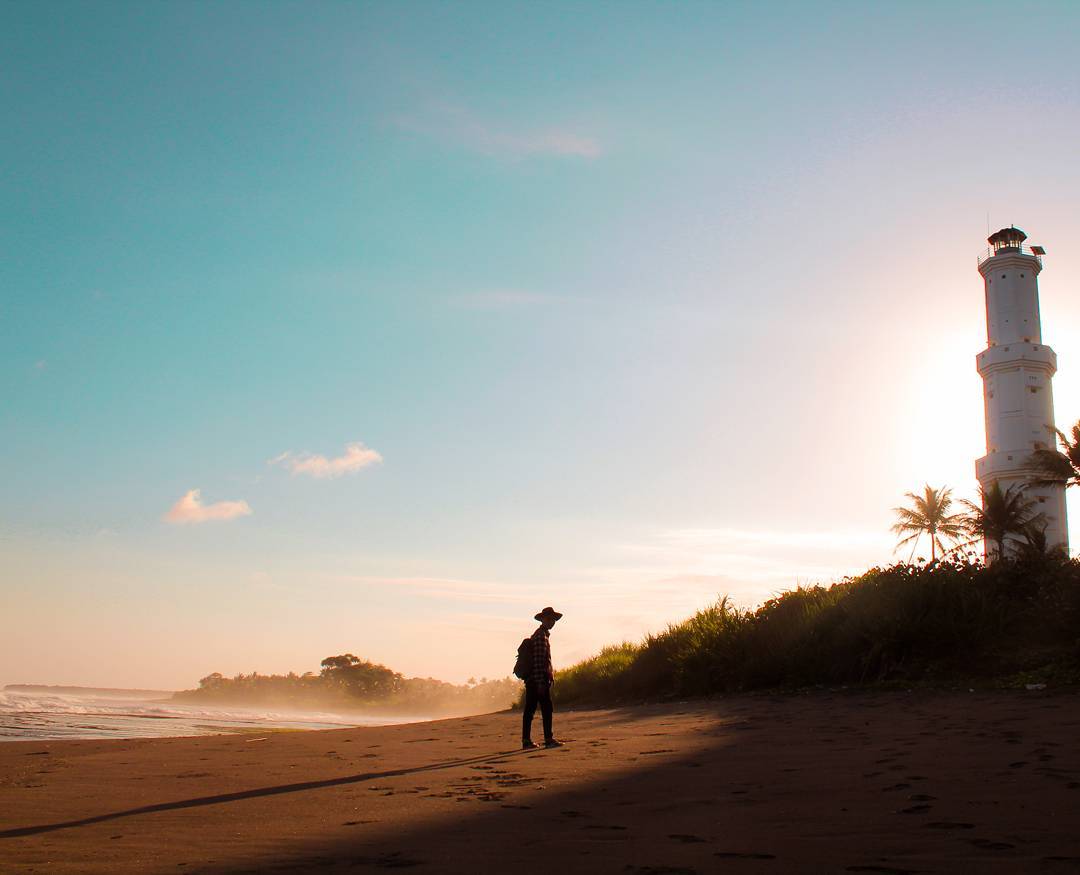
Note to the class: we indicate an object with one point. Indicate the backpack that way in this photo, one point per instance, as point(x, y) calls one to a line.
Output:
point(524, 665)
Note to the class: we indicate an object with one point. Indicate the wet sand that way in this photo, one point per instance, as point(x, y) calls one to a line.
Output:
point(861, 782)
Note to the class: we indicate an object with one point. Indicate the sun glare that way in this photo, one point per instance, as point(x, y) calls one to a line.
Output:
point(943, 429)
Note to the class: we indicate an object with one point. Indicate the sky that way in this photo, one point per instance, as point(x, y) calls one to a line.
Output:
point(377, 327)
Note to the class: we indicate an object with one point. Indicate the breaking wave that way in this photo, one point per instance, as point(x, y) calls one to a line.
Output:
point(53, 715)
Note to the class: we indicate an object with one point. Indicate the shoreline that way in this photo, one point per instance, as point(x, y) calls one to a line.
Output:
point(42, 717)
point(820, 782)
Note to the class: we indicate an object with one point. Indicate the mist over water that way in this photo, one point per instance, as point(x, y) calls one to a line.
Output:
point(137, 714)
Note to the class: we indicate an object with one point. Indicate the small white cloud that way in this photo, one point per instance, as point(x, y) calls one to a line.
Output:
point(190, 509)
point(40, 365)
point(356, 456)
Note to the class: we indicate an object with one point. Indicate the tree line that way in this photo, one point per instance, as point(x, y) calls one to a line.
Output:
point(1008, 519)
point(349, 682)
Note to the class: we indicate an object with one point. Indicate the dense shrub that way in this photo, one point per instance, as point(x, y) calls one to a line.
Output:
point(946, 620)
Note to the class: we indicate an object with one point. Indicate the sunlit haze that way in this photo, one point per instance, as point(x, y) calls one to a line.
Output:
point(362, 328)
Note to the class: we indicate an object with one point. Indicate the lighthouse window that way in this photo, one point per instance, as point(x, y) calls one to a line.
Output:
point(1003, 276)
point(1021, 276)
point(1042, 500)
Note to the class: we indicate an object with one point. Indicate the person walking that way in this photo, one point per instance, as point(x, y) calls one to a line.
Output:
point(538, 684)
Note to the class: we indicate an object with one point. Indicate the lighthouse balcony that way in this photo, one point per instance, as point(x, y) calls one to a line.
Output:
point(1004, 465)
point(1036, 356)
point(1003, 251)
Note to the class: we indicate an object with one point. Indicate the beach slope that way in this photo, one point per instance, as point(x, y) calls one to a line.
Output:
point(827, 782)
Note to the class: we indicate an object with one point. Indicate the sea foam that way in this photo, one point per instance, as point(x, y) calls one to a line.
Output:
point(54, 715)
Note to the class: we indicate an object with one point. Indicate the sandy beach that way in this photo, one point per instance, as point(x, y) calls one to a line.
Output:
point(826, 782)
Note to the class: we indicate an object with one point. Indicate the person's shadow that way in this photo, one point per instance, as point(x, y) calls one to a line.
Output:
point(254, 793)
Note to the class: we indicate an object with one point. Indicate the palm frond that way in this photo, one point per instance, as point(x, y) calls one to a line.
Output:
point(928, 514)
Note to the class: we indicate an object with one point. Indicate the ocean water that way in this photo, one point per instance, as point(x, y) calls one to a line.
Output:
point(49, 715)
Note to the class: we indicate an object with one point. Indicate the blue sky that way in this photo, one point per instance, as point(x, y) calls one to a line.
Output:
point(636, 303)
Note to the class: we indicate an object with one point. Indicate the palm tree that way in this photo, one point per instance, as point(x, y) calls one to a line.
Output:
point(1001, 515)
point(929, 516)
point(1059, 469)
point(1035, 547)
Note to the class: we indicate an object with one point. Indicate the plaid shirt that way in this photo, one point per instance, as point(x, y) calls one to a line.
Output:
point(542, 672)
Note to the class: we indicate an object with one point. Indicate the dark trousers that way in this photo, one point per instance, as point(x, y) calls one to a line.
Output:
point(536, 694)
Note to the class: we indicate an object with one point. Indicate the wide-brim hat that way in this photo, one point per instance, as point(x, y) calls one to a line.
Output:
point(548, 613)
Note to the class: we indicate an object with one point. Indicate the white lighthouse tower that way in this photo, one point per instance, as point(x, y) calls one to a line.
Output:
point(1017, 368)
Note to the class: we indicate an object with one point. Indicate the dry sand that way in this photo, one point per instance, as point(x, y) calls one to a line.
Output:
point(883, 782)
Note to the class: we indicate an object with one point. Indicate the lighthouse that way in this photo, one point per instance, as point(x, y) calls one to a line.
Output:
point(1017, 368)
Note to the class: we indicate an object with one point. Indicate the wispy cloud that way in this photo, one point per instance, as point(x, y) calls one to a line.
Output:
point(355, 457)
point(456, 125)
point(727, 537)
point(756, 558)
point(448, 589)
point(190, 509)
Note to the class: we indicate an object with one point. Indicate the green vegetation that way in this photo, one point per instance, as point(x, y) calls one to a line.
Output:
point(349, 683)
point(945, 622)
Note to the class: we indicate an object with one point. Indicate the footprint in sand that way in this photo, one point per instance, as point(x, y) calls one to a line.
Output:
point(686, 839)
point(887, 870)
point(393, 860)
point(987, 844)
point(949, 824)
point(915, 809)
point(737, 855)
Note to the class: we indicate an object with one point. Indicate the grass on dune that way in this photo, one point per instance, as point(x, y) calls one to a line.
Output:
point(904, 623)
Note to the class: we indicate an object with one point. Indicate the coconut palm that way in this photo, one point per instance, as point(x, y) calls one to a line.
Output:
point(1059, 469)
point(1036, 547)
point(1003, 514)
point(929, 515)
